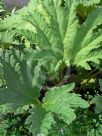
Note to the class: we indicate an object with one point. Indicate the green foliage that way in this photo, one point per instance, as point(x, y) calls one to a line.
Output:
point(43, 114)
point(87, 125)
point(40, 121)
point(22, 91)
point(59, 31)
point(1, 7)
point(11, 120)
point(48, 37)
point(97, 100)
point(61, 96)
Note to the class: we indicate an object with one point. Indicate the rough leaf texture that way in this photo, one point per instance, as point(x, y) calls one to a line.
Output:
point(20, 89)
point(59, 31)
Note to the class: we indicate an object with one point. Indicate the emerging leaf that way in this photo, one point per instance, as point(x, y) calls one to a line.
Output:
point(60, 100)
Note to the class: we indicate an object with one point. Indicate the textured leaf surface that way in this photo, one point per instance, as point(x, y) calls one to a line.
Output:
point(58, 96)
point(88, 42)
point(59, 32)
point(40, 121)
point(20, 89)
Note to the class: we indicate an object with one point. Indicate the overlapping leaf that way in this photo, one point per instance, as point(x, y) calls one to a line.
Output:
point(21, 88)
point(59, 31)
point(60, 100)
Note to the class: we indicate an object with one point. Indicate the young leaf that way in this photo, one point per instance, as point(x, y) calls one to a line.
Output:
point(60, 100)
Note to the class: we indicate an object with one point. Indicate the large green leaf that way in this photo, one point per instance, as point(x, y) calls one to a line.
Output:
point(59, 32)
point(60, 100)
point(21, 89)
point(87, 41)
